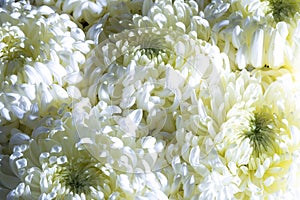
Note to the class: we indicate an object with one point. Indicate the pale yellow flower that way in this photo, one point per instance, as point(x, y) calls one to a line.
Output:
point(257, 34)
point(259, 133)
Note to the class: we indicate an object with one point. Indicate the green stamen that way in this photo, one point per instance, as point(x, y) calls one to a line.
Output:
point(80, 176)
point(283, 10)
point(261, 134)
point(151, 52)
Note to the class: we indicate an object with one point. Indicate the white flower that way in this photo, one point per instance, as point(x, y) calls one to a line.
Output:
point(219, 186)
point(258, 132)
point(256, 34)
point(181, 180)
point(177, 15)
point(118, 17)
point(20, 114)
point(255, 39)
point(50, 50)
point(176, 56)
point(149, 84)
point(141, 82)
point(41, 56)
point(56, 164)
point(52, 166)
point(87, 11)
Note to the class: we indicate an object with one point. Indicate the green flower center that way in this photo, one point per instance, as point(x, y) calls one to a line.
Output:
point(151, 52)
point(79, 177)
point(12, 46)
point(283, 10)
point(262, 134)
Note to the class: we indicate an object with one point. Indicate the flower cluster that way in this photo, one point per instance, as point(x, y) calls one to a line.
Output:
point(149, 99)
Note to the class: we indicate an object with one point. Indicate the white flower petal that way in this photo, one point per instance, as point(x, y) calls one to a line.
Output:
point(257, 48)
point(148, 142)
point(44, 72)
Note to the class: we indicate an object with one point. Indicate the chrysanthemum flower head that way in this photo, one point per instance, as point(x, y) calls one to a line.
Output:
point(118, 17)
point(257, 34)
point(181, 16)
point(41, 56)
point(88, 11)
point(52, 165)
point(259, 133)
point(21, 120)
point(177, 15)
point(42, 43)
point(151, 48)
point(139, 83)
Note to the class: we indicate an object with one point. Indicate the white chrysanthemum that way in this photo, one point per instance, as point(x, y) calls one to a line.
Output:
point(55, 164)
point(117, 18)
point(41, 54)
point(38, 45)
point(147, 90)
point(156, 58)
point(219, 185)
point(87, 11)
point(19, 117)
point(19, 132)
point(181, 180)
point(254, 35)
point(177, 15)
point(259, 132)
point(142, 84)
point(41, 57)
point(265, 45)
point(199, 178)
point(52, 166)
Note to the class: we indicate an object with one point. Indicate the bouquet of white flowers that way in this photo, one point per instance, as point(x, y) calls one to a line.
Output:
point(149, 99)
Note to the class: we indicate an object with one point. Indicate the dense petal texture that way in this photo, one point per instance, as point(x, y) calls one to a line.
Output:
point(149, 99)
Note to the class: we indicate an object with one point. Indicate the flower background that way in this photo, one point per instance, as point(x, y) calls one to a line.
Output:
point(149, 99)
